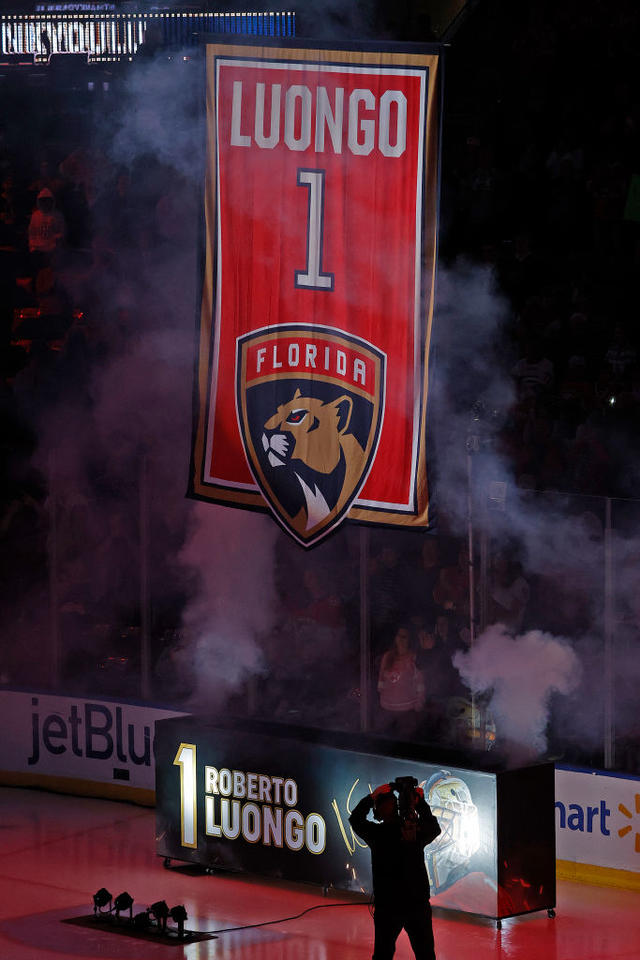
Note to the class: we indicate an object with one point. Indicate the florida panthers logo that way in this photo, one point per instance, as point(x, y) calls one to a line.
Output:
point(310, 402)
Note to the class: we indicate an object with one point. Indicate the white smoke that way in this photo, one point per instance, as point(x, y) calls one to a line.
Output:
point(162, 115)
point(557, 538)
point(121, 441)
point(520, 674)
point(226, 562)
point(231, 555)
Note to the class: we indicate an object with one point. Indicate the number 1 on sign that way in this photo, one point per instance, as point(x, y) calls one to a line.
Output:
point(313, 278)
point(185, 758)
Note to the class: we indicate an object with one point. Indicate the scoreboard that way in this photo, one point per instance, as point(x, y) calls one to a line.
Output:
point(103, 36)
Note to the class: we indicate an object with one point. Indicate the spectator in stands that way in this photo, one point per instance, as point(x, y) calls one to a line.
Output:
point(46, 179)
point(318, 603)
point(422, 576)
point(575, 389)
point(46, 228)
point(565, 151)
point(388, 589)
point(533, 373)
point(400, 684)
point(621, 355)
point(9, 213)
point(451, 592)
point(440, 678)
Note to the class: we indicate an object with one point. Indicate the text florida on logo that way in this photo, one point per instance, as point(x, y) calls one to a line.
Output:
point(310, 404)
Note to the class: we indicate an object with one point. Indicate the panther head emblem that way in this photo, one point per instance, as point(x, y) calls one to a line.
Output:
point(314, 434)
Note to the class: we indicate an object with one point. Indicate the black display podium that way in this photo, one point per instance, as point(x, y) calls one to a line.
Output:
point(274, 800)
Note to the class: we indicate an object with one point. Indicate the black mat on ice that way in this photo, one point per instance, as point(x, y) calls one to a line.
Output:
point(128, 929)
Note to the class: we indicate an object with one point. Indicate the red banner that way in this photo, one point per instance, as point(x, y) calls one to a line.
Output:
point(321, 214)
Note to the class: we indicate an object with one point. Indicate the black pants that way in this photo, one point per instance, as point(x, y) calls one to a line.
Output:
point(416, 920)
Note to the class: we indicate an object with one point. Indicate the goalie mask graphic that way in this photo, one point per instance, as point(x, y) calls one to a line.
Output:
point(447, 858)
point(310, 402)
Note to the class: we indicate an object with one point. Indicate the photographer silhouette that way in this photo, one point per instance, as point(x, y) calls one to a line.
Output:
point(400, 881)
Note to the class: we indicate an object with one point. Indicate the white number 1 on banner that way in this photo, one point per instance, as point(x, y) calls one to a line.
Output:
point(313, 277)
point(186, 759)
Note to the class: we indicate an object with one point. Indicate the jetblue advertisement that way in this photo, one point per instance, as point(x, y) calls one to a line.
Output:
point(56, 739)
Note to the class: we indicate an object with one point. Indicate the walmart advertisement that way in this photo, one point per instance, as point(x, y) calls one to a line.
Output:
point(598, 823)
point(279, 807)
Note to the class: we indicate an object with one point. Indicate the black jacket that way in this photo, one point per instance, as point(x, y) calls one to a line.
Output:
point(397, 855)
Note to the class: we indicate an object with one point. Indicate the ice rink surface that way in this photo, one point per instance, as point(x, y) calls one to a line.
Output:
point(56, 851)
